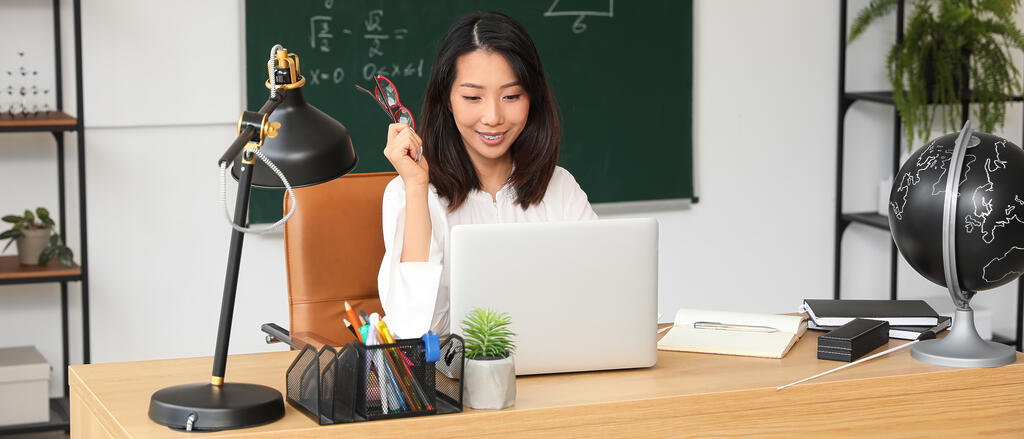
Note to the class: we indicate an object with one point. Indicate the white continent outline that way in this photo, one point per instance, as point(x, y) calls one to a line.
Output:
point(984, 270)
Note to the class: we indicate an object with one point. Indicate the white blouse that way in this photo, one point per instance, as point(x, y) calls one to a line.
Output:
point(414, 295)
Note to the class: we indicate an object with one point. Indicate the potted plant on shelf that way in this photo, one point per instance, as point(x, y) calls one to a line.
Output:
point(37, 242)
point(490, 371)
point(952, 50)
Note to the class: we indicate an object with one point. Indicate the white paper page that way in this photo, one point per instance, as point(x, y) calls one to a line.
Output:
point(686, 317)
point(758, 344)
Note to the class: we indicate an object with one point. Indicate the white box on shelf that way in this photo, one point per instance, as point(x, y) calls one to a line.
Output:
point(24, 386)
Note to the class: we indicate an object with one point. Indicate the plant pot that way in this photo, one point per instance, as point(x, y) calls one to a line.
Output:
point(490, 384)
point(31, 244)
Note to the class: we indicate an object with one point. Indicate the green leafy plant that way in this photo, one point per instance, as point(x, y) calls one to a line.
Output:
point(487, 335)
point(40, 220)
point(942, 37)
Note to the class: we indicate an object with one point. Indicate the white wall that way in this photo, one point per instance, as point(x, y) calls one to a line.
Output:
point(760, 239)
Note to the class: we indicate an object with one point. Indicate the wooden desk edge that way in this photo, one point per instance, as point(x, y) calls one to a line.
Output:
point(85, 406)
point(700, 413)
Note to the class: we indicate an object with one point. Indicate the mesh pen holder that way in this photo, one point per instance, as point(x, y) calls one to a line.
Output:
point(363, 383)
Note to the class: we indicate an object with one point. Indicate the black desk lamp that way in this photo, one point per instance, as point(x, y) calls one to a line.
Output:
point(311, 148)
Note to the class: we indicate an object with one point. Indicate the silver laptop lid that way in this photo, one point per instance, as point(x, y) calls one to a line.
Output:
point(581, 295)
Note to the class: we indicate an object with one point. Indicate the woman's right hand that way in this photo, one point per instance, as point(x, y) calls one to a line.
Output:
point(403, 148)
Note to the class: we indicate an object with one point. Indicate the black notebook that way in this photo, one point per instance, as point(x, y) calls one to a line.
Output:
point(900, 332)
point(826, 312)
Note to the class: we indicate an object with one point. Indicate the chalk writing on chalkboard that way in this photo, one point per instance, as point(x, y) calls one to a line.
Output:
point(579, 26)
point(376, 35)
point(585, 46)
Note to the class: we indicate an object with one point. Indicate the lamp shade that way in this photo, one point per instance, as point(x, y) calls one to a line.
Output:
point(310, 148)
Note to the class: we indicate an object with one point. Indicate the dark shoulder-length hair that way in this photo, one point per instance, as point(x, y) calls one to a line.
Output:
point(534, 152)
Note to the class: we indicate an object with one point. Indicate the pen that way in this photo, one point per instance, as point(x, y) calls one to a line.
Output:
point(929, 334)
point(365, 318)
point(383, 386)
point(390, 371)
point(395, 358)
point(350, 328)
point(383, 327)
point(732, 327)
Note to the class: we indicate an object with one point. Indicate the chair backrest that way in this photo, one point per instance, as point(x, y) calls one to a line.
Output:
point(333, 249)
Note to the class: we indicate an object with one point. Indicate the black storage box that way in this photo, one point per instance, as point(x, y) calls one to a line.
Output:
point(853, 340)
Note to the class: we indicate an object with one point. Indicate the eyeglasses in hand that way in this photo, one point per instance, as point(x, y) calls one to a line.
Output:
point(386, 95)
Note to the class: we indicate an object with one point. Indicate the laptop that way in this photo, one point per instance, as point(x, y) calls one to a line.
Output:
point(581, 295)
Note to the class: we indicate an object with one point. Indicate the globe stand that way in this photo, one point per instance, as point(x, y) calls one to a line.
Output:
point(962, 347)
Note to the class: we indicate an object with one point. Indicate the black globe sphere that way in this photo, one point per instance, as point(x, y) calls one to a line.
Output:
point(989, 218)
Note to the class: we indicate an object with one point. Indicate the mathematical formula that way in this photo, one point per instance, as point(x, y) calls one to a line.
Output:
point(373, 34)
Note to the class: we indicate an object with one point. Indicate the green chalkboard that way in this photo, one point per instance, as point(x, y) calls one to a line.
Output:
point(621, 72)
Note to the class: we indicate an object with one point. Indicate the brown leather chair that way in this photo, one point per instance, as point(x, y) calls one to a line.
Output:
point(333, 249)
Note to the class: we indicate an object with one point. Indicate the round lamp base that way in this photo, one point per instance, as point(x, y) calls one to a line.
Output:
point(963, 347)
point(211, 408)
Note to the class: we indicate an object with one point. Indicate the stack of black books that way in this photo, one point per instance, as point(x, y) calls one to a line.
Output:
point(908, 319)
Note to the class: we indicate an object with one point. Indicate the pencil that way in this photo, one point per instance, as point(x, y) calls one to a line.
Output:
point(350, 328)
point(352, 316)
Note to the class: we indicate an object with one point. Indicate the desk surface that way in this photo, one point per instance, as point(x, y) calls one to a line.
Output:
point(685, 394)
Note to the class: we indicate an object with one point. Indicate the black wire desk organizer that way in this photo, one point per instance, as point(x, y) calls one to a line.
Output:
point(365, 383)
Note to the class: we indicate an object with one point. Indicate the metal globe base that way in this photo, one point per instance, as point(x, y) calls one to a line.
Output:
point(212, 408)
point(963, 347)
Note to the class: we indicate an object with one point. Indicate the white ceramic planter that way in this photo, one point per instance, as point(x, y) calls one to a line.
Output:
point(490, 384)
point(31, 245)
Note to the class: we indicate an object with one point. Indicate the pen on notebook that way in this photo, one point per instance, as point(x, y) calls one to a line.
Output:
point(733, 327)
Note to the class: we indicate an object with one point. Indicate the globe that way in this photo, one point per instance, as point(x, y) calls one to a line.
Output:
point(985, 237)
point(989, 213)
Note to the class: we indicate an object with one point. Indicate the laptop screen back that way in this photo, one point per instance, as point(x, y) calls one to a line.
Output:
point(581, 295)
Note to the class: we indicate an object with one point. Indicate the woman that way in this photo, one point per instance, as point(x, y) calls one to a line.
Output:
point(489, 138)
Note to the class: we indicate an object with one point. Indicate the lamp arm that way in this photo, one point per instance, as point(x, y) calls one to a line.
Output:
point(287, 186)
point(250, 133)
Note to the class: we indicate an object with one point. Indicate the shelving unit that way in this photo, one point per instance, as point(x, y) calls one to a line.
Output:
point(58, 123)
point(873, 219)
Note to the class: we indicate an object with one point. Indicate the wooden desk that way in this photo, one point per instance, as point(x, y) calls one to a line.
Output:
point(685, 394)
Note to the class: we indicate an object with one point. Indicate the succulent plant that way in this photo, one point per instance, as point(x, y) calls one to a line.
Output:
point(487, 335)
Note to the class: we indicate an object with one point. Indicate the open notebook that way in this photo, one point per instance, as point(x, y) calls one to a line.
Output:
point(747, 342)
